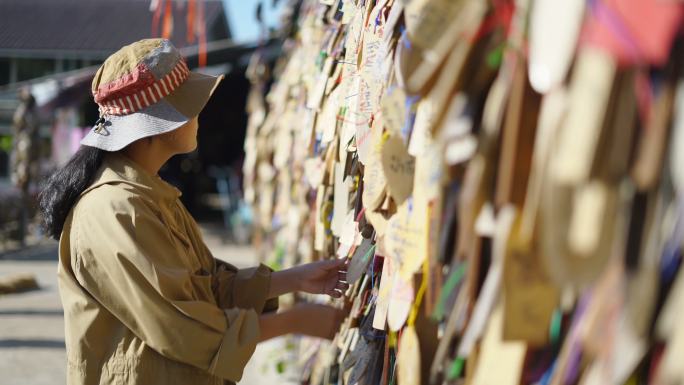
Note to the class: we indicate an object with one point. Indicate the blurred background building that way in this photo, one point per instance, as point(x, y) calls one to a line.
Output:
point(52, 49)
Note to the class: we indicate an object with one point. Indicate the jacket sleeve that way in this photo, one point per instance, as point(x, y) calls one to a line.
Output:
point(126, 259)
point(232, 287)
point(244, 288)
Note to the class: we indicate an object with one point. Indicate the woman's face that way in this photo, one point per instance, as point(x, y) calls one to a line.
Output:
point(183, 139)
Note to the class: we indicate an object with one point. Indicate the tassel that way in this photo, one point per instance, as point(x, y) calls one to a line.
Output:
point(202, 54)
point(167, 26)
point(155, 7)
point(190, 21)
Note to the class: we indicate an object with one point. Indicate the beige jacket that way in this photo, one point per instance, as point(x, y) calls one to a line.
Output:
point(145, 302)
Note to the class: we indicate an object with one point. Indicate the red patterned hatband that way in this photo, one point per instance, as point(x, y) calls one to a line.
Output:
point(145, 97)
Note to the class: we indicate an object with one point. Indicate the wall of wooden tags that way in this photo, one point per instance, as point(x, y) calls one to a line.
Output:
point(506, 178)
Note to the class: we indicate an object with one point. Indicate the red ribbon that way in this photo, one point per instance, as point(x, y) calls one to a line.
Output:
point(190, 21)
point(202, 54)
point(167, 25)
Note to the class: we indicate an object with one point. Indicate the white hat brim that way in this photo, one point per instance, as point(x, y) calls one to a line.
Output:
point(164, 116)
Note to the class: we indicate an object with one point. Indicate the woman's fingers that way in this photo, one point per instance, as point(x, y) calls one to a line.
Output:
point(338, 290)
point(336, 263)
point(342, 286)
point(342, 276)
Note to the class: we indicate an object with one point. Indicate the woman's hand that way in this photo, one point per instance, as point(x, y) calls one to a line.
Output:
point(307, 319)
point(318, 320)
point(323, 277)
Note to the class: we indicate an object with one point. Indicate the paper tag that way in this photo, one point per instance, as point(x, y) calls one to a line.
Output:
point(305, 136)
point(327, 120)
point(314, 169)
point(671, 370)
point(587, 218)
point(355, 30)
point(400, 302)
point(495, 105)
point(506, 357)
point(349, 10)
point(530, 298)
point(335, 77)
point(429, 174)
point(363, 255)
point(445, 57)
point(395, 13)
point(365, 99)
point(398, 167)
point(455, 131)
point(485, 224)
point(374, 181)
point(460, 150)
point(554, 29)
point(589, 96)
point(347, 235)
point(457, 122)
point(551, 115)
point(319, 230)
point(371, 83)
point(382, 302)
point(373, 54)
point(677, 151)
point(349, 343)
point(420, 136)
point(670, 316)
point(629, 350)
point(426, 20)
point(329, 161)
point(364, 140)
point(352, 117)
point(283, 152)
point(406, 238)
point(340, 200)
point(393, 106)
point(408, 358)
point(316, 96)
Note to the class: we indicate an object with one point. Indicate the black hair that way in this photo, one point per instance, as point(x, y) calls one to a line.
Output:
point(64, 186)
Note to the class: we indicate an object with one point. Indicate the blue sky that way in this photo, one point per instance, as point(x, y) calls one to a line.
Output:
point(242, 21)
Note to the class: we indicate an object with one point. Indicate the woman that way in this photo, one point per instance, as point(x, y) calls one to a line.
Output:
point(144, 300)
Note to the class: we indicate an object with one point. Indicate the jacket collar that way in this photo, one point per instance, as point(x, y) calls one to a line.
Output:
point(119, 169)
